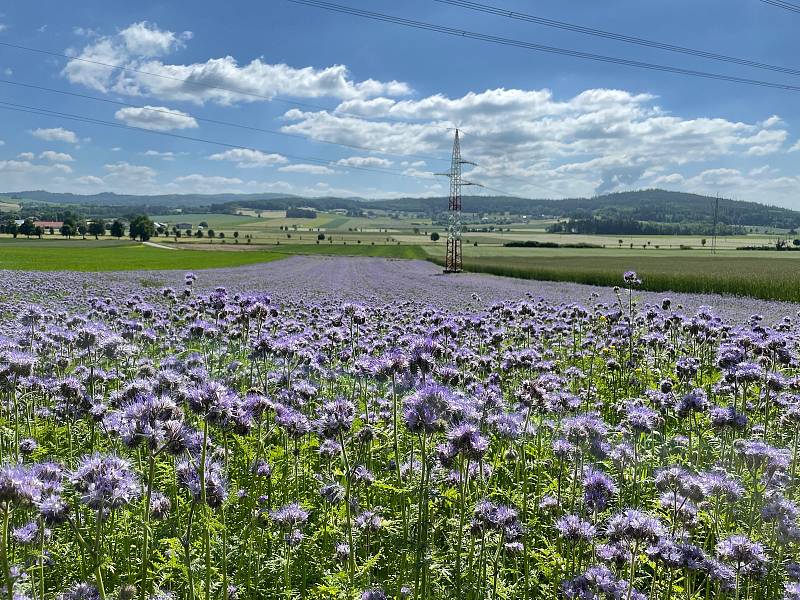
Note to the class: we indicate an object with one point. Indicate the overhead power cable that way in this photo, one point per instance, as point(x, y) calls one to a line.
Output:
point(520, 16)
point(200, 84)
point(784, 5)
point(214, 121)
point(539, 47)
point(92, 120)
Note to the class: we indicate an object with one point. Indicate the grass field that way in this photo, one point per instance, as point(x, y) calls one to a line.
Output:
point(773, 278)
point(123, 258)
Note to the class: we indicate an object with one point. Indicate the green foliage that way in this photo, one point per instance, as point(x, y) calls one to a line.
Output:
point(141, 228)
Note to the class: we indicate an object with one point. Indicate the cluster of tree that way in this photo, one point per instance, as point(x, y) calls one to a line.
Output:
point(535, 244)
point(627, 226)
point(300, 213)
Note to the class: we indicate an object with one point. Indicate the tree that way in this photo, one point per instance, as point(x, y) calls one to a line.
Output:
point(27, 228)
point(141, 227)
point(703, 242)
point(796, 242)
point(97, 228)
point(39, 232)
point(320, 236)
point(434, 237)
point(221, 235)
point(82, 228)
point(12, 228)
point(67, 229)
point(236, 235)
point(117, 229)
point(210, 234)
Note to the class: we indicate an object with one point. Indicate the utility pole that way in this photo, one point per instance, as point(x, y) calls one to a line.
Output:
point(454, 257)
point(716, 218)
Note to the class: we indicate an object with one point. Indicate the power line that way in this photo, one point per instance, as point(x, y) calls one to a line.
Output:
point(485, 8)
point(307, 159)
point(539, 47)
point(782, 4)
point(81, 118)
point(190, 82)
point(214, 121)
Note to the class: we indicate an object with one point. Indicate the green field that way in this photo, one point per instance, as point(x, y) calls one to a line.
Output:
point(776, 277)
point(122, 258)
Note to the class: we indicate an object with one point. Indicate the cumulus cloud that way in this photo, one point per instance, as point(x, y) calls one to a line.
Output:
point(56, 134)
point(141, 45)
point(27, 167)
point(89, 180)
point(796, 147)
point(249, 159)
point(206, 184)
point(308, 169)
point(53, 156)
point(123, 170)
point(137, 41)
point(156, 118)
point(364, 161)
point(161, 155)
point(26, 156)
point(597, 140)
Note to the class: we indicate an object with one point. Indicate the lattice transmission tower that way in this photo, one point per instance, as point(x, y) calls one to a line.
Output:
point(453, 259)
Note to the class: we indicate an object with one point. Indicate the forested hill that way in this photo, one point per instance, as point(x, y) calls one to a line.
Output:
point(644, 205)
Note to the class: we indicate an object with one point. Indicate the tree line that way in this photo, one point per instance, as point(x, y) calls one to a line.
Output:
point(624, 226)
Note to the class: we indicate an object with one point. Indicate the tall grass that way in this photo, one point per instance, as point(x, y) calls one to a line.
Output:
point(768, 279)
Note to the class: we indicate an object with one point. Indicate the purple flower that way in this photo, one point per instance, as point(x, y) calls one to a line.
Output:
point(105, 482)
point(574, 529)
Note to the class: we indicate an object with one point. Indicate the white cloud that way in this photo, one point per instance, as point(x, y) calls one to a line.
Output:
point(85, 32)
point(53, 156)
point(56, 134)
point(162, 155)
point(598, 140)
point(796, 147)
point(125, 171)
point(249, 159)
point(309, 169)
point(156, 118)
point(8, 71)
point(139, 40)
point(364, 161)
point(140, 44)
point(27, 167)
point(26, 156)
point(90, 180)
point(146, 39)
point(206, 184)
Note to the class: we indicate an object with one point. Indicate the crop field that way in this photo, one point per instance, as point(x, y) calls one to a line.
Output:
point(49, 256)
point(776, 276)
point(227, 436)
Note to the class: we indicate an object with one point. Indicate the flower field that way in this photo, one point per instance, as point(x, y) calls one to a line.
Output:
point(205, 440)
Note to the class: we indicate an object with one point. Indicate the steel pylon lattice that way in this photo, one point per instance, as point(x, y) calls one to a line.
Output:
point(454, 257)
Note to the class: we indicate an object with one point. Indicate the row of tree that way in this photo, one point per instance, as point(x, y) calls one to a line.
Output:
point(625, 226)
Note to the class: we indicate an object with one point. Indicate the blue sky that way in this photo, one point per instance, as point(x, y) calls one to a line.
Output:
point(537, 124)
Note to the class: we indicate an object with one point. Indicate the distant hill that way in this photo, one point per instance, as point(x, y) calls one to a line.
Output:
point(655, 205)
point(660, 206)
point(112, 199)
